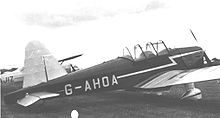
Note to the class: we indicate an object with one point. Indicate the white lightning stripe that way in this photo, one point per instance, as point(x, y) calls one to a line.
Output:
point(147, 70)
point(60, 91)
point(78, 87)
point(159, 67)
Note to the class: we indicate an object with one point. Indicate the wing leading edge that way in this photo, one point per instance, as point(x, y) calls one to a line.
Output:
point(177, 77)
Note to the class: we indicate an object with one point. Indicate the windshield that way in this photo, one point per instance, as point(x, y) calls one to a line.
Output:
point(150, 50)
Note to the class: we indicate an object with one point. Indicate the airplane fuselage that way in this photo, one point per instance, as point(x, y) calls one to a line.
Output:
point(119, 73)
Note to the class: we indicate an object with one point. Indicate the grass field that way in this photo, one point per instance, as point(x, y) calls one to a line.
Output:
point(123, 105)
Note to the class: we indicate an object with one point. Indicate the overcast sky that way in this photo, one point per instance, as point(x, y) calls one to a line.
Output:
point(100, 29)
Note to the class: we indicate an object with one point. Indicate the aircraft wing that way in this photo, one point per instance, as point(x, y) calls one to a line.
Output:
point(177, 77)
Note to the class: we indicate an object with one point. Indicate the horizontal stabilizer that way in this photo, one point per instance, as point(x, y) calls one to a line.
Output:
point(30, 99)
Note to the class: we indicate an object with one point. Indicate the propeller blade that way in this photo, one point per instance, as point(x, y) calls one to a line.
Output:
point(193, 35)
point(69, 58)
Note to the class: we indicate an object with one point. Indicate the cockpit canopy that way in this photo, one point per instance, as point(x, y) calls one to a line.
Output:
point(150, 50)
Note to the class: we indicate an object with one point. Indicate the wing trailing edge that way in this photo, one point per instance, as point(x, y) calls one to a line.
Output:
point(177, 77)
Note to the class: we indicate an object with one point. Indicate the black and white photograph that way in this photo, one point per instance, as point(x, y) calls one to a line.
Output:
point(110, 59)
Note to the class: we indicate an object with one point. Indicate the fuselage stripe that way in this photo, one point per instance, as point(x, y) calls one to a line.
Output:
point(159, 67)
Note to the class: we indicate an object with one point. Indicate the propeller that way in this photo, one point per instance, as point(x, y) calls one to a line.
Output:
point(205, 55)
point(69, 58)
point(193, 35)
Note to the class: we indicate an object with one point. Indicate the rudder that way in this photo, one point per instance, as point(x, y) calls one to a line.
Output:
point(39, 65)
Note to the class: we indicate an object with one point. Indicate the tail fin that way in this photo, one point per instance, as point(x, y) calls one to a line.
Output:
point(39, 65)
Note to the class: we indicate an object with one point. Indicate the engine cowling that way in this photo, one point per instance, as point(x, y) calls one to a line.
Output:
point(192, 93)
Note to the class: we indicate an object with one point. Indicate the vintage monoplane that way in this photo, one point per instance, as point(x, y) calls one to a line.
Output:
point(156, 69)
